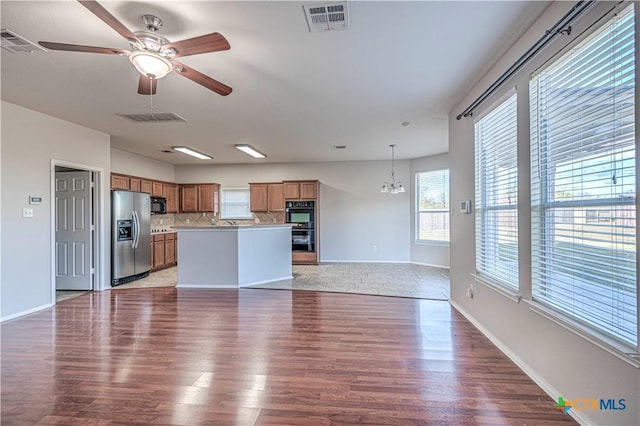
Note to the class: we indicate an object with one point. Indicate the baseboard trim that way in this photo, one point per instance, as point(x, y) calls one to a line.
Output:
point(290, 277)
point(27, 312)
point(207, 287)
point(385, 261)
point(430, 264)
point(547, 387)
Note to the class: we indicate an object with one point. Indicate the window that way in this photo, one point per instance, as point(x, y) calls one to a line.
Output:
point(235, 204)
point(583, 183)
point(496, 165)
point(432, 206)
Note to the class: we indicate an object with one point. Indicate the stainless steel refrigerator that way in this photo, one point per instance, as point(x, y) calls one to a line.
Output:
point(130, 236)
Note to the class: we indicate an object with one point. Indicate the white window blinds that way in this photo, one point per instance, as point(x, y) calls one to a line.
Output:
point(583, 182)
point(235, 203)
point(496, 152)
point(432, 206)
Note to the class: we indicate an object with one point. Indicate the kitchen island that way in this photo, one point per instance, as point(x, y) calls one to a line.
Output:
point(233, 256)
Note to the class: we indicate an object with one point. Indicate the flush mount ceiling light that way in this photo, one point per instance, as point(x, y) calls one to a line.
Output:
point(192, 152)
point(392, 187)
point(248, 149)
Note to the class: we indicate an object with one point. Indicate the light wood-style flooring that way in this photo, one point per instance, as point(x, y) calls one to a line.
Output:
point(165, 356)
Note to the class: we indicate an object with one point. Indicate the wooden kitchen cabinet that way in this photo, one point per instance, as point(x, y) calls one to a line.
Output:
point(119, 182)
point(156, 189)
point(266, 197)
point(158, 261)
point(301, 190)
point(170, 249)
point(164, 252)
point(188, 198)
point(275, 197)
point(145, 186)
point(202, 197)
point(258, 197)
point(170, 192)
point(205, 197)
point(134, 184)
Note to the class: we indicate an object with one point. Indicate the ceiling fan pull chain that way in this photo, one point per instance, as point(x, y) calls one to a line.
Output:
point(151, 95)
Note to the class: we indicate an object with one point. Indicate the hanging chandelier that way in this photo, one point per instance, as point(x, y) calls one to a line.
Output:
point(392, 187)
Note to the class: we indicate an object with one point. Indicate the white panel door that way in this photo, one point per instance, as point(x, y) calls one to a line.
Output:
point(74, 248)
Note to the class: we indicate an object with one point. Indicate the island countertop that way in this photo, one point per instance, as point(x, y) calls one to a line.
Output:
point(241, 226)
point(233, 256)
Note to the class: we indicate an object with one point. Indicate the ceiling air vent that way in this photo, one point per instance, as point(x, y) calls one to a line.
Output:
point(12, 42)
point(156, 117)
point(327, 16)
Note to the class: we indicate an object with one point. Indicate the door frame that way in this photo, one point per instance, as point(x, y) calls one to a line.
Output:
point(98, 209)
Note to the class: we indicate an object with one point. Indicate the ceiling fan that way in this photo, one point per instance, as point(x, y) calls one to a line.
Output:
point(152, 55)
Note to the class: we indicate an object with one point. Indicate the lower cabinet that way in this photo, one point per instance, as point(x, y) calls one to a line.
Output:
point(163, 251)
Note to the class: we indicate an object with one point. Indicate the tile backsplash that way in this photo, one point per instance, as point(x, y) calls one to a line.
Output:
point(166, 221)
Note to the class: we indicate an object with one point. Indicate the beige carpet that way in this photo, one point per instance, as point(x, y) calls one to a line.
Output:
point(383, 279)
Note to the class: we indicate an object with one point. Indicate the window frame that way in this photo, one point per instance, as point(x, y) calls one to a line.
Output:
point(224, 202)
point(418, 211)
point(544, 205)
point(508, 281)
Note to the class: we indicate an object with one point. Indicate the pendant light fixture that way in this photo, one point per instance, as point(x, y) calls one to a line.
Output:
point(392, 187)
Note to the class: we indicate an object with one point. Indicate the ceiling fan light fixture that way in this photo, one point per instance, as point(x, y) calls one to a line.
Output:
point(248, 149)
point(150, 64)
point(192, 152)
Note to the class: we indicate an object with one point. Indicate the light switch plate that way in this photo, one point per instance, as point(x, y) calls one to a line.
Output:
point(27, 212)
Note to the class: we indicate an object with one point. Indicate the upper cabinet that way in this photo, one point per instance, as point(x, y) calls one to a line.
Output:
point(171, 193)
point(275, 197)
point(203, 197)
point(258, 197)
point(156, 189)
point(119, 182)
point(145, 186)
point(266, 197)
point(206, 198)
point(301, 190)
point(134, 184)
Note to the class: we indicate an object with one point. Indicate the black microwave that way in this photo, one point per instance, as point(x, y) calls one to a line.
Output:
point(158, 205)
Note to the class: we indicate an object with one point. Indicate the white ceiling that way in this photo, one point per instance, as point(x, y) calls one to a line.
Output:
point(295, 95)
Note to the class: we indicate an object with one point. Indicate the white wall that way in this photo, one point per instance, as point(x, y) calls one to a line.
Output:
point(357, 222)
point(426, 254)
point(137, 165)
point(561, 361)
point(30, 141)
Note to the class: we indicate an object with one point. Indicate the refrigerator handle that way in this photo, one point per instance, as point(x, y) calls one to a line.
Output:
point(136, 231)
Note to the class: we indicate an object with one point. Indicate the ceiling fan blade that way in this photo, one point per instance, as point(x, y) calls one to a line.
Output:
point(102, 13)
point(80, 48)
point(213, 42)
point(147, 86)
point(205, 80)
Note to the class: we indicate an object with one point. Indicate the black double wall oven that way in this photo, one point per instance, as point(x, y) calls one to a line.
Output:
point(302, 214)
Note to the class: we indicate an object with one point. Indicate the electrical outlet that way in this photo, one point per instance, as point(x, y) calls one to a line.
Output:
point(375, 248)
point(27, 212)
point(160, 221)
point(188, 221)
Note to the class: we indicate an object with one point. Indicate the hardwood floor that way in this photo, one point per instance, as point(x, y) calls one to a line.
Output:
point(255, 356)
